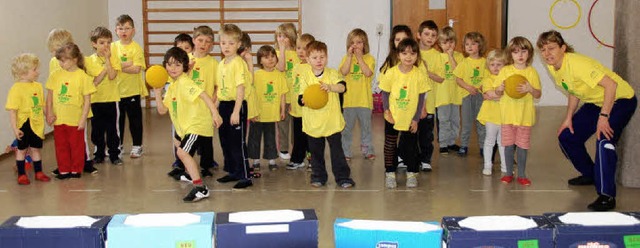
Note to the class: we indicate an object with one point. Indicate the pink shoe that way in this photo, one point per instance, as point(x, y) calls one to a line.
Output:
point(524, 181)
point(507, 179)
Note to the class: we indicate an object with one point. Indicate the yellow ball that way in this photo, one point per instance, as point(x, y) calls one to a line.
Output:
point(156, 76)
point(314, 97)
point(511, 86)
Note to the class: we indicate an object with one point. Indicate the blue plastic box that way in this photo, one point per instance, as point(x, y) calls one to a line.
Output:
point(14, 236)
point(387, 234)
point(574, 235)
point(195, 235)
point(302, 232)
point(461, 237)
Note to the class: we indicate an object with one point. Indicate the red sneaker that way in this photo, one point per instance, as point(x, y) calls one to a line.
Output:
point(507, 179)
point(42, 177)
point(371, 157)
point(524, 181)
point(23, 180)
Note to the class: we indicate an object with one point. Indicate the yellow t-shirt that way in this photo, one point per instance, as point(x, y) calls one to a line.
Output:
point(204, 73)
point(294, 90)
point(327, 120)
point(520, 112)
point(472, 71)
point(130, 84)
point(490, 110)
point(404, 90)
point(447, 91)
point(107, 90)
point(54, 65)
point(229, 77)
point(250, 96)
point(359, 94)
point(27, 99)
point(292, 60)
point(69, 89)
point(434, 65)
point(189, 113)
point(269, 87)
point(579, 75)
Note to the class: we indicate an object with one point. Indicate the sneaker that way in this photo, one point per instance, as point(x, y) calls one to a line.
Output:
point(401, 163)
point(55, 172)
point(506, 179)
point(196, 194)
point(117, 161)
point(524, 181)
point(371, 157)
point(412, 179)
point(285, 155)
point(256, 166)
point(309, 169)
point(295, 166)
point(136, 152)
point(487, 171)
point(75, 175)
point(272, 165)
point(390, 180)
point(581, 181)
point(226, 179)
point(453, 147)
point(98, 160)
point(243, 184)
point(346, 185)
point(444, 150)
point(463, 151)
point(63, 176)
point(185, 177)
point(90, 170)
point(254, 174)
point(317, 184)
point(23, 180)
point(426, 167)
point(205, 173)
point(603, 203)
point(42, 177)
point(175, 173)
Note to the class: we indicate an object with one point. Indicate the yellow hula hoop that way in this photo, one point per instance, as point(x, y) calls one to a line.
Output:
point(560, 26)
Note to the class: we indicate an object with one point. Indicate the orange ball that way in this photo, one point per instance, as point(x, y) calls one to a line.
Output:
point(511, 86)
point(314, 97)
point(156, 76)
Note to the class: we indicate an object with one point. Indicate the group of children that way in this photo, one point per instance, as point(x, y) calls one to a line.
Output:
point(417, 80)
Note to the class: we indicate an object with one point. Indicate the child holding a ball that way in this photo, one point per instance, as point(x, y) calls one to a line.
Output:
point(518, 115)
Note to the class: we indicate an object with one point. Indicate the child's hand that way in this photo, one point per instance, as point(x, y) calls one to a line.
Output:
point(358, 52)
point(413, 128)
point(217, 120)
point(525, 87)
point(325, 87)
point(126, 64)
point(282, 115)
point(255, 119)
point(192, 62)
point(106, 53)
point(18, 133)
point(388, 117)
point(235, 118)
point(82, 124)
point(350, 51)
point(51, 119)
point(246, 55)
point(472, 90)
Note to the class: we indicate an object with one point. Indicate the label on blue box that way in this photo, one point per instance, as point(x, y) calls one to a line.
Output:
point(594, 244)
point(387, 244)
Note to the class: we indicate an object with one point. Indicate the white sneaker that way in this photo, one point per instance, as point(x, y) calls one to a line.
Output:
point(412, 179)
point(487, 171)
point(284, 155)
point(390, 180)
point(136, 152)
point(295, 166)
point(401, 163)
point(425, 166)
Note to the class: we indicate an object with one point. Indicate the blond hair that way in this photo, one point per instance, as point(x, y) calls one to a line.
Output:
point(21, 64)
point(496, 54)
point(203, 30)
point(477, 38)
point(360, 34)
point(232, 31)
point(289, 30)
point(523, 43)
point(58, 37)
point(447, 34)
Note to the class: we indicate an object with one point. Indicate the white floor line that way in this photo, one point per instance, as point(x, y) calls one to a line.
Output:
point(3, 191)
point(479, 190)
point(542, 190)
point(164, 190)
point(85, 190)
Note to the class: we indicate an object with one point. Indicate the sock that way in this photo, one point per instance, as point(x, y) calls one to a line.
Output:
point(197, 182)
point(20, 165)
point(37, 166)
point(522, 161)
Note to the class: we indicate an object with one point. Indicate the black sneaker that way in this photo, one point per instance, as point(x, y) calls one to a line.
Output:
point(55, 172)
point(444, 150)
point(453, 147)
point(243, 184)
point(196, 194)
point(90, 170)
point(226, 179)
point(175, 172)
point(117, 161)
point(62, 176)
point(205, 173)
point(75, 175)
point(98, 160)
point(580, 181)
point(463, 151)
point(603, 203)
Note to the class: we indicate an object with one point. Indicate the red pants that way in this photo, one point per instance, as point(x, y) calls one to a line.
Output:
point(70, 148)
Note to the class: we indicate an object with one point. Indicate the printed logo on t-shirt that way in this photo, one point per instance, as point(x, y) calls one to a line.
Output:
point(195, 75)
point(296, 84)
point(448, 74)
point(356, 74)
point(476, 78)
point(289, 69)
point(36, 109)
point(269, 94)
point(174, 107)
point(402, 102)
point(123, 58)
point(63, 97)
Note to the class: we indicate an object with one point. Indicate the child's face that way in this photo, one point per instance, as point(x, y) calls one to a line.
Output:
point(399, 37)
point(495, 66)
point(520, 56)
point(185, 46)
point(228, 45)
point(471, 47)
point(174, 68)
point(125, 31)
point(31, 75)
point(102, 45)
point(281, 37)
point(447, 45)
point(269, 61)
point(408, 57)
point(202, 44)
point(317, 60)
point(358, 44)
point(428, 37)
point(301, 50)
point(68, 63)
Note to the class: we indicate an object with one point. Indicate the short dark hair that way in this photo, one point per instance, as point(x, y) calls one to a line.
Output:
point(123, 19)
point(428, 24)
point(183, 37)
point(264, 51)
point(245, 43)
point(100, 32)
point(179, 55)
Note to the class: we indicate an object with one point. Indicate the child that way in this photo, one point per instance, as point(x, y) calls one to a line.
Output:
point(103, 67)
point(231, 82)
point(244, 51)
point(286, 35)
point(403, 88)
point(357, 67)
point(427, 36)
point(324, 123)
point(26, 114)
point(518, 115)
point(130, 82)
point(469, 74)
point(184, 42)
point(192, 114)
point(300, 139)
point(489, 114)
point(447, 100)
point(68, 101)
point(270, 88)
